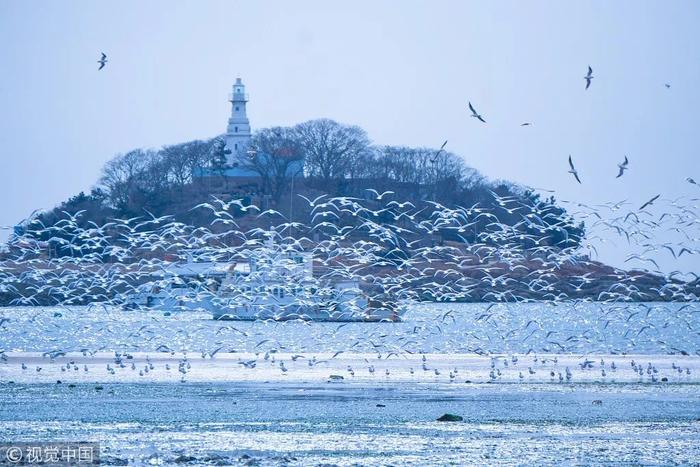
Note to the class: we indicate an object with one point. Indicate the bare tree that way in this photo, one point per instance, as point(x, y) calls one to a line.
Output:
point(180, 161)
point(277, 158)
point(407, 165)
point(330, 149)
point(124, 175)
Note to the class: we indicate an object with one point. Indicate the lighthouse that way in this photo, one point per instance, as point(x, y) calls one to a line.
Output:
point(238, 129)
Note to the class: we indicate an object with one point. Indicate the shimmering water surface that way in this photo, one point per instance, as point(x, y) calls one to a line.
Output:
point(273, 424)
point(270, 421)
point(583, 327)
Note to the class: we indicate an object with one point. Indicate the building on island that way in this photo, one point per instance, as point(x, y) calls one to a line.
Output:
point(238, 130)
point(238, 139)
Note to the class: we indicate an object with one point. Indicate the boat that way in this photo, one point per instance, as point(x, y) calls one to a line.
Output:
point(268, 284)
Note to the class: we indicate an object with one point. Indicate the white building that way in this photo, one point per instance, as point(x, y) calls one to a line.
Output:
point(238, 129)
point(238, 141)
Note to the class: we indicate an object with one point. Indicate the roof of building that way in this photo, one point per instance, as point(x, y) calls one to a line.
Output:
point(295, 169)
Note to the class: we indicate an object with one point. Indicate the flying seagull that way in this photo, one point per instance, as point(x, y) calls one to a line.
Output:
point(102, 61)
point(573, 170)
point(526, 124)
point(622, 167)
point(690, 180)
point(379, 195)
point(475, 114)
point(650, 202)
point(432, 161)
point(589, 77)
point(668, 86)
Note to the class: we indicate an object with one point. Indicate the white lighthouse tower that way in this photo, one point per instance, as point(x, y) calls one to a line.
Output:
point(238, 129)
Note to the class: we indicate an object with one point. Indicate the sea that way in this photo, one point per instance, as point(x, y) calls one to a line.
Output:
point(532, 384)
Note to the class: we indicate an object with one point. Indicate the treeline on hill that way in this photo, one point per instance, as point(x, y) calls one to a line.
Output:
point(320, 156)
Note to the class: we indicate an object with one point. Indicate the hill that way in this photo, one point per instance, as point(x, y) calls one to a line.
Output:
point(412, 221)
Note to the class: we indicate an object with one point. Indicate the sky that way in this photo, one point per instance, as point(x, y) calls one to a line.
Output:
point(402, 70)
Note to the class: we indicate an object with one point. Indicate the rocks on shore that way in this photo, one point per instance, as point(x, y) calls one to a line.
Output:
point(448, 417)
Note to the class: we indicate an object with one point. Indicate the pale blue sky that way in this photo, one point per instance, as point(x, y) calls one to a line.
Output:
point(403, 70)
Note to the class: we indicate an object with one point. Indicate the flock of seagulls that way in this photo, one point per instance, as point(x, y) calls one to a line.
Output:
point(272, 364)
point(589, 77)
point(546, 298)
point(565, 302)
point(622, 167)
point(474, 114)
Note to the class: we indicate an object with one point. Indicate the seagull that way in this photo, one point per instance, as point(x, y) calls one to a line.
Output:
point(622, 168)
point(102, 61)
point(650, 202)
point(432, 161)
point(668, 86)
point(526, 124)
point(475, 114)
point(691, 181)
point(589, 77)
point(573, 170)
point(312, 203)
point(379, 195)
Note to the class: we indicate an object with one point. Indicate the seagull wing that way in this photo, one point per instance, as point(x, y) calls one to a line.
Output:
point(590, 71)
point(102, 65)
point(571, 163)
point(650, 202)
point(622, 171)
point(434, 158)
point(307, 199)
point(471, 107)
